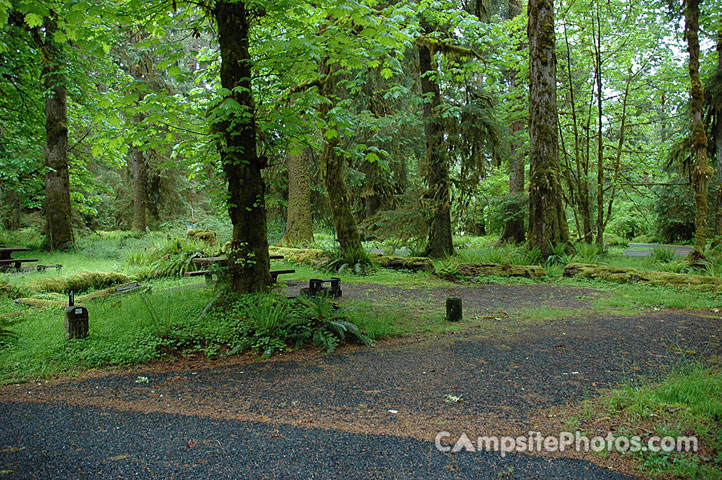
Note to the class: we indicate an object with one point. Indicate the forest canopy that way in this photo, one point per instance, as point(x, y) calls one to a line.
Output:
point(407, 121)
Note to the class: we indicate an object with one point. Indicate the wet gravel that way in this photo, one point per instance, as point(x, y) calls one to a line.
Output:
point(42, 441)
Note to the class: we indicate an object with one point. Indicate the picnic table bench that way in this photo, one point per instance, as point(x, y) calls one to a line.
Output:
point(7, 260)
point(223, 261)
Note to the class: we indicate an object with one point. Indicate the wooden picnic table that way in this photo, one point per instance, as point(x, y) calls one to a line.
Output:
point(223, 260)
point(6, 257)
point(6, 253)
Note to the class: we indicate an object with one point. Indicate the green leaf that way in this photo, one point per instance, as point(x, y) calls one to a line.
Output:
point(33, 20)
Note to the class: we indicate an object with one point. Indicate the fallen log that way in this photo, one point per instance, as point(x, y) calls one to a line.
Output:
point(494, 269)
point(416, 264)
point(632, 275)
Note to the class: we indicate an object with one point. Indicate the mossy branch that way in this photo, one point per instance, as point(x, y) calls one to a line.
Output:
point(447, 48)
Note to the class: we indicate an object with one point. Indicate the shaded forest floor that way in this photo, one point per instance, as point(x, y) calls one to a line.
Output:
point(529, 355)
point(372, 411)
point(361, 413)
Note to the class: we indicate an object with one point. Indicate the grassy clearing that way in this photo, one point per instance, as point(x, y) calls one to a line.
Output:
point(141, 328)
point(688, 402)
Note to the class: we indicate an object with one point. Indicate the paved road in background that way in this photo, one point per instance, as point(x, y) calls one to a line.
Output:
point(647, 248)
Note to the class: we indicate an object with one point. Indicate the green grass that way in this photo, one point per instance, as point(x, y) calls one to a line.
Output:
point(137, 329)
point(121, 333)
point(688, 402)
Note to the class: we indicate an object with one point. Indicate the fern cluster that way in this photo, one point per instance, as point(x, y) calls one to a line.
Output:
point(269, 324)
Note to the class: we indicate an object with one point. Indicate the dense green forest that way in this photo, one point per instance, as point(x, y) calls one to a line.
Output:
point(404, 123)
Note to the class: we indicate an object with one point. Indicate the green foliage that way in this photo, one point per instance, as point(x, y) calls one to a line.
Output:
point(587, 253)
point(688, 402)
point(662, 255)
point(169, 258)
point(675, 214)
point(337, 261)
point(503, 254)
point(7, 336)
point(268, 324)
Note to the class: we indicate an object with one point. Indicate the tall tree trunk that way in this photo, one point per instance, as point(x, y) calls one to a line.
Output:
point(140, 189)
point(702, 171)
point(248, 257)
point(299, 223)
point(547, 217)
point(718, 150)
point(57, 179)
point(514, 230)
point(436, 169)
point(582, 206)
point(332, 164)
point(600, 137)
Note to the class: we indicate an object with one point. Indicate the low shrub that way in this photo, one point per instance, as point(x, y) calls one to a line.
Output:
point(662, 255)
point(170, 258)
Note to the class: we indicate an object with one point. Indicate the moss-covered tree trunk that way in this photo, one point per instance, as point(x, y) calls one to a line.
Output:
point(57, 180)
point(514, 229)
point(701, 172)
point(718, 139)
point(547, 217)
point(332, 166)
point(140, 188)
point(299, 223)
point(249, 262)
point(436, 169)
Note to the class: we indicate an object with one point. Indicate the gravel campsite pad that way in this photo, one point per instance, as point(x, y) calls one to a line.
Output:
point(357, 413)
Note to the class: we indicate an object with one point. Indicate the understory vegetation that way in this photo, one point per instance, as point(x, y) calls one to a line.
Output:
point(686, 403)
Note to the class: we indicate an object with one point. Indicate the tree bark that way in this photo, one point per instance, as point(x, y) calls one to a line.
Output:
point(701, 171)
point(514, 231)
point(57, 180)
point(140, 189)
point(299, 223)
point(440, 242)
point(249, 266)
point(332, 163)
point(600, 137)
point(547, 217)
point(718, 150)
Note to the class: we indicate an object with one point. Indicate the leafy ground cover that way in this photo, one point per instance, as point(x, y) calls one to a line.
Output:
point(686, 403)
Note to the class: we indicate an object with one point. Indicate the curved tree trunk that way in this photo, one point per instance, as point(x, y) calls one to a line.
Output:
point(701, 171)
point(248, 258)
point(436, 168)
point(547, 217)
point(299, 224)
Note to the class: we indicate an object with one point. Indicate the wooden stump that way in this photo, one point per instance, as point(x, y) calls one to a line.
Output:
point(453, 309)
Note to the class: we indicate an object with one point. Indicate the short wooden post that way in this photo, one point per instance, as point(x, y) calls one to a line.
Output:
point(453, 309)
